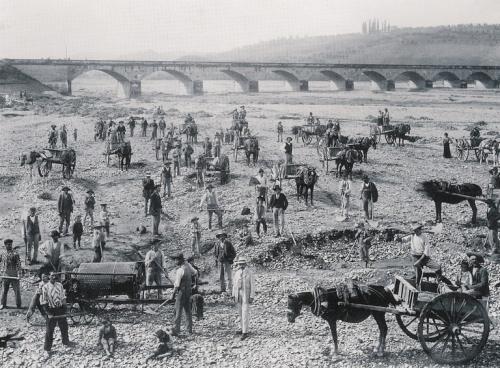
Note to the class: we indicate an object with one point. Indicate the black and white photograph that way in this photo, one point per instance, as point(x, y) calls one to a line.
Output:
point(248, 184)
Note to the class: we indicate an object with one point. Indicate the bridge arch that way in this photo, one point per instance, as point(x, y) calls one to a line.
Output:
point(336, 78)
point(122, 80)
point(378, 79)
point(447, 76)
point(184, 79)
point(484, 79)
point(239, 78)
point(292, 80)
point(412, 76)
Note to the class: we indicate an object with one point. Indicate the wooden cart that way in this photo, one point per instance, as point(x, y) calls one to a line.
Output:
point(64, 157)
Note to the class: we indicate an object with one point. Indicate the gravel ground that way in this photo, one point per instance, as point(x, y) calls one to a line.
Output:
point(273, 342)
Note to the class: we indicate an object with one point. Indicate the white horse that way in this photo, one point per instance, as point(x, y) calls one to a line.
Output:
point(30, 160)
point(489, 147)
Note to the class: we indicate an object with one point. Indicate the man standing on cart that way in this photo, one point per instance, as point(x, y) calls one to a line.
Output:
point(288, 148)
point(154, 263)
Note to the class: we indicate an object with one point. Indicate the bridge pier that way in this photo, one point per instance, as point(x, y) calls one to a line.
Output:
point(197, 87)
point(253, 86)
point(349, 85)
point(429, 84)
point(463, 84)
point(390, 85)
point(303, 85)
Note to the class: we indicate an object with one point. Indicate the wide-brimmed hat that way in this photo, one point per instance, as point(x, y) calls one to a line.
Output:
point(54, 233)
point(194, 218)
point(276, 187)
point(365, 177)
point(90, 191)
point(416, 227)
point(479, 256)
point(65, 189)
point(241, 260)
point(53, 126)
point(8, 241)
point(221, 234)
point(289, 138)
point(179, 256)
point(32, 208)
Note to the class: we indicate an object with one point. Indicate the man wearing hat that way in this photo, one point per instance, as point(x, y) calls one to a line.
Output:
point(177, 158)
point(242, 114)
point(154, 262)
point(52, 251)
point(65, 208)
point(10, 269)
point(155, 209)
point(144, 127)
point(280, 132)
point(154, 132)
point(89, 208)
point(166, 178)
point(369, 195)
point(207, 147)
point(148, 187)
point(279, 204)
point(104, 218)
point(364, 243)
point(224, 257)
point(31, 235)
point(492, 218)
point(420, 251)
point(210, 198)
point(182, 293)
point(53, 136)
point(261, 186)
point(188, 151)
point(480, 286)
point(243, 293)
point(288, 148)
point(260, 215)
point(162, 125)
point(217, 144)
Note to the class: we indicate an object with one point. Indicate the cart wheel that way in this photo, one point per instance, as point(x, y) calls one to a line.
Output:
point(409, 325)
point(460, 325)
point(79, 316)
point(389, 138)
point(462, 151)
point(44, 168)
point(306, 138)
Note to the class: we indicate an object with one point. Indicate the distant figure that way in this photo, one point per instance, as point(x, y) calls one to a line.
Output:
point(98, 243)
point(387, 118)
point(288, 148)
point(446, 146)
point(310, 119)
point(64, 137)
point(154, 132)
point(280, 131)
point(77, 231)
point(155, 208)
point(65, 208)
point(369, 195)
point(53, 136)
point(120, 131)
point(131, 126)
point(196, 232)
point(162, 125)
point(144, 126)
point(75, 134)
point(345, 194)
point(364, 243)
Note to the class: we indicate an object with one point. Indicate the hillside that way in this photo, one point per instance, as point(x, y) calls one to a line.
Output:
point(460, 44)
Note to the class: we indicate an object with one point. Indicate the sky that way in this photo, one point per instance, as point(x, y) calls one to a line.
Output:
point(108, 29)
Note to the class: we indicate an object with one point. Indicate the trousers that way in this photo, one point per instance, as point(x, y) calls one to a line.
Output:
point(368, 208)
point(183, 303)
point(243, 309)
point(219, 217)
point(64, 217)
point(279, 220)
point(258, 223)
point(6, 283)
point(32, 243)
point(156, 224)
point(195, 243)
point(225, 269)
point(51, 326)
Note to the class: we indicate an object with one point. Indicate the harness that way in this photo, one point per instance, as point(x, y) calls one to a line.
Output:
point(319, 305)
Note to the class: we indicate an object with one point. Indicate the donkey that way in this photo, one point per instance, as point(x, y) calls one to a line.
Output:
point(251, 145)
point(305, 180)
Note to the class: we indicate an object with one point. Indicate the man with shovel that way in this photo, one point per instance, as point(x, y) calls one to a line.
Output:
point(10, 269)
point(154, 263)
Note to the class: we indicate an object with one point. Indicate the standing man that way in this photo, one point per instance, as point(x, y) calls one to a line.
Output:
point(154, 132)
point(182, 293)
point(31, 235)
point(207, 147)
point(148, 186)
point(196, 232)
point(177, 158)
point(345, 194)
point(369, 195)
point(10, 269)
point(65, 208)
point(121, 130)
point(260, 215)
point(155, 209)
point(52, 251)
point(243, 113)
point(280, 131)
point(144, 126)
point(261, 187)
point(64, 136)
point(288, 148)
point(480, 287)
point(166, 178)
point(53, 136)
point(492, 217)
point(131, 126)
point(162, 125)
point(89, 208)
point(217, 145)
point(53, 300)
point(224, 257)
point(387, 118)
point(154, 263)
point(104, 218)
point(279, 204)
point(364, 243)
point(421, 253)
point(188, 151)
point(210, 198)
point(243, 293)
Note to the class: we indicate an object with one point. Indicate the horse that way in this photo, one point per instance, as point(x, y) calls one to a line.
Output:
point(191, 131)
point(346, 158)
point(305, 180)
point(124, 155)
point(30, 159)
point(251, 145)
point(489, 147)
point(399, 133)
point(332, 306)
point(363, 145)
point(68, 160)
point(439, 192)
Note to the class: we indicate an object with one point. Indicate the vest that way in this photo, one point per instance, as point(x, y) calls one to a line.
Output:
point(185, 285)
point(32, 228)
point(288, 148)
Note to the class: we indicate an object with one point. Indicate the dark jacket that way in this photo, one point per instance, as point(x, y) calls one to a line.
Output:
point(288, 148)
point(32, 227)
point(226, 253)
point(89, 203)
point(148, 186)
point(77, 228)
point(155, 204)
point(278, 201)
point(480, 282)
point(65, 203)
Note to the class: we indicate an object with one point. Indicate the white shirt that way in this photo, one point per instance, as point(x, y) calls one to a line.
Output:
point(345, 187)
point(179, 274)
point(243, 285)
point(418, 244)
point(52, 250)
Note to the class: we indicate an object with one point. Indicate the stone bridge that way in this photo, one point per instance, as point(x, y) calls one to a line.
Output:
point(58, 74)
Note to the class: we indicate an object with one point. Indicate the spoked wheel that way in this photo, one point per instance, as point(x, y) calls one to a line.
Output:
point(44, 168)
point(306, 138)
point(80, 314)
point(389, 138)
point(459, 326)
point(409, 325)
point(462, 150)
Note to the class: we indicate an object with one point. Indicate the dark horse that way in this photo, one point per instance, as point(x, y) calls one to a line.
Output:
point(331, 306)
point(399, 132)
point(305, 180)
point(439, 191)
point(251, 145)
point(346, 158)
point(363, 145)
